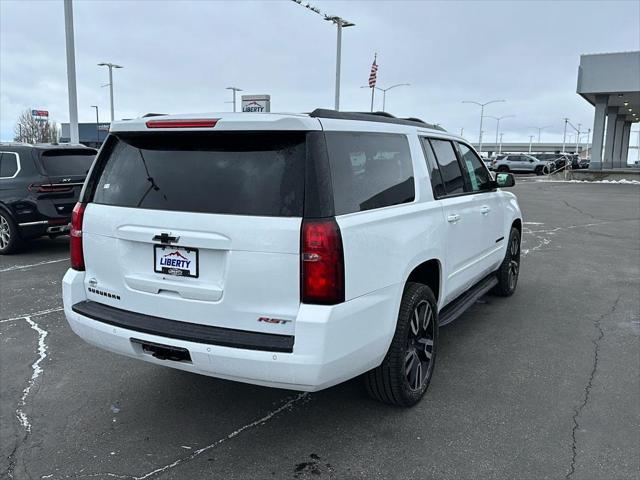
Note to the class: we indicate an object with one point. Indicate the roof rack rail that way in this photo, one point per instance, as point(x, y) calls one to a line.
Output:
point(383, 117)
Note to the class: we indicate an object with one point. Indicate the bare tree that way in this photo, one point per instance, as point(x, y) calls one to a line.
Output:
point(29, 129)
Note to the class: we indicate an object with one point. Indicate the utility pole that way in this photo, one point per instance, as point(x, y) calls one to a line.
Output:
point(71, 72)
point(111, 66)
point(531, 137)
point(482, 105)
point(234, 89)
point(462, 131)
point(578, 137)
point(500, 148)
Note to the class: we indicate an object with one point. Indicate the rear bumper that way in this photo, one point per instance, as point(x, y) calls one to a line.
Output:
point(332, 343)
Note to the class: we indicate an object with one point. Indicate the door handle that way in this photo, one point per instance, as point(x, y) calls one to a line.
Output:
point(485, 210)
point(453, 218)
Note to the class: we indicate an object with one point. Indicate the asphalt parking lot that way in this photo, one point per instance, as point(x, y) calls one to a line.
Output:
point(542, 385)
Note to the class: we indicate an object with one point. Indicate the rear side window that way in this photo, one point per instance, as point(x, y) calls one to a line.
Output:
point(369, 170)
point(449, 166)
point(477, 173)
point(248, 173)
point(434, 172)
point(63, 162)
point(8, 164)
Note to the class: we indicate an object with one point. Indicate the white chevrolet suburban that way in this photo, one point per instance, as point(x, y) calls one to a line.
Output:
point(292, 251)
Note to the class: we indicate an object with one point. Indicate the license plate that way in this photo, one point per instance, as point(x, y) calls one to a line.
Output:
point(178, 261)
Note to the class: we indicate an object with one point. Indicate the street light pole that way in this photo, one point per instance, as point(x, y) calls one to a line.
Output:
point(234, 89)
point(384, 92)
point(340, 23)
point(497, 119)
point(540, 131)
point(482, 105)
point(531, 137)
point(71, 72)
point(578, 137)
point(111, 66)
point(97, 124)
point(564, 136)
point(500, 148)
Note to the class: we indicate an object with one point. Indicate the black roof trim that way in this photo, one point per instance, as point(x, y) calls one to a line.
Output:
point(382, 117)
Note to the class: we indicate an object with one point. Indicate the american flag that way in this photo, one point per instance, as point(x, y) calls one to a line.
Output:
point(374, 74)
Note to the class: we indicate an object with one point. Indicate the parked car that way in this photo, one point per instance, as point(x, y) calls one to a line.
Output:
point(556, 161)
point(521, 163)
point(39, 185)
point(291, 251)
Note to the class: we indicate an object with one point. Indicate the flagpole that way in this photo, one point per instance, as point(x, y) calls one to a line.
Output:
point(373, 88)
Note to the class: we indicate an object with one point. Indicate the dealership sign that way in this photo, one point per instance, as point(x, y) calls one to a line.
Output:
point(39, 113)
point(256, 103)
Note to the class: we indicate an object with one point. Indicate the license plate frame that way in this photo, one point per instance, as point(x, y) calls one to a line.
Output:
point(175, 271)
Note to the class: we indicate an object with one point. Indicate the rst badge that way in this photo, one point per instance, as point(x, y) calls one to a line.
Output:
point(177, 261)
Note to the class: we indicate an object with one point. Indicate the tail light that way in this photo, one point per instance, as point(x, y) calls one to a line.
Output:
point(322, 262)
point(77, 256)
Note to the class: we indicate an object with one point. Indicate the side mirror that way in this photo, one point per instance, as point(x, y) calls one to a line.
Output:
point(505, 180)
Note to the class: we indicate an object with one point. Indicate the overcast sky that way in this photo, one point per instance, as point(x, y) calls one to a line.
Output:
point(179, 56)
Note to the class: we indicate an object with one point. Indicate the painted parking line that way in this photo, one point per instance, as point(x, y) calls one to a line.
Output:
point(22, 267)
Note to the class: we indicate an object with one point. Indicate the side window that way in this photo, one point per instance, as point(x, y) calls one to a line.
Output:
point(449, 166)
point(369, 170)
point(477, 173)
point(8, 164)
point(434, 172)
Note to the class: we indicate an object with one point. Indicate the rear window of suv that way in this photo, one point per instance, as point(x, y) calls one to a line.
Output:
point(240, 173)
point(369, 170)
point(61, 162)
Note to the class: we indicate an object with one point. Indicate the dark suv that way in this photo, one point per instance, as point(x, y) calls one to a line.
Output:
point(39, 185)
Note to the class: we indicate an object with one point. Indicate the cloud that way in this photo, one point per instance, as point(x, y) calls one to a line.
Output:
point(180, 56)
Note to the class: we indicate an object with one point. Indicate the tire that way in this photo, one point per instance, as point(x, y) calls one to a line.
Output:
point(10, 240)
point(503, 168)
point(510, 268)
point(407, 368)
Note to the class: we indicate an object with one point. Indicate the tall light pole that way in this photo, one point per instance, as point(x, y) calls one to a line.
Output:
point(111, 66)
point(564, 135)
point(235, 89)
point(540, 131)
point(482, 105)
point(71, 72)
point(385, 90)
point(340, 24)
point(497, 119)
point(531, 137)
point(500, 147)
point(97, 124)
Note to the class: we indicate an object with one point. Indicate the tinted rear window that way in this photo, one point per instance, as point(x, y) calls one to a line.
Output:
point(61, 162)
point(449, 166)
point(369, 170)
point(248, 173)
